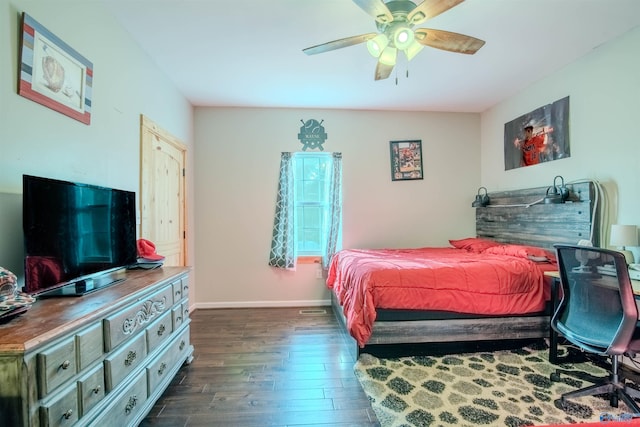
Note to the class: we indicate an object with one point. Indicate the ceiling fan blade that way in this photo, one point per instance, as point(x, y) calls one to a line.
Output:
point(377, 9)
point(338, 44)
point(383, 71)
point(430, 8)
point(446, 40)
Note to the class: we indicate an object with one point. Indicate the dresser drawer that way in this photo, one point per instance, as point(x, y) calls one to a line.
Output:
point(62, 411)
point(121, 326)
point(185, 310)
point(56, 365)
point(176, 316)
point(122, 362)
point(90, 345)
point(183, 344)
point(177, 291)
point(159, 369)
point(185, 286)
point(127, 405)
point(91, 389)
point(159, 331)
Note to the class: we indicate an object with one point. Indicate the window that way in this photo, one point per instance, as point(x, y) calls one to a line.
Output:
point(307, 220)
point(312, 203)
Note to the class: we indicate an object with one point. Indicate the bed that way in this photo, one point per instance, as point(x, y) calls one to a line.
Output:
point(483, 288)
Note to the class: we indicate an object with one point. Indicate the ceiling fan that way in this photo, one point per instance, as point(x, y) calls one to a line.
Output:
point(395, 20)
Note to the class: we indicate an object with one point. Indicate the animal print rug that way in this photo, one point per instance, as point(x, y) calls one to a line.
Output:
point(503, 388)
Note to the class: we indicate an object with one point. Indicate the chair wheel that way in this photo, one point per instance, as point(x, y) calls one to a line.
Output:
point(560, 403)
point(554, 377)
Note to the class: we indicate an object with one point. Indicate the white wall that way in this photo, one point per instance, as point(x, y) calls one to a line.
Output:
point(37, 140)
point(237, 162)
point(604, 91)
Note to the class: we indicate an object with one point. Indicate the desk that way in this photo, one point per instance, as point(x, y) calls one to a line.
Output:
point(555, 301)
point(556, 276)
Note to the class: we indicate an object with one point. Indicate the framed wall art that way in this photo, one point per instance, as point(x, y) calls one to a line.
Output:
point(54, 74)
point(539, 136)
point(406, 160)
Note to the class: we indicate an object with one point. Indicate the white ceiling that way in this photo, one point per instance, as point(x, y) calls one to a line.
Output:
point(249, 52)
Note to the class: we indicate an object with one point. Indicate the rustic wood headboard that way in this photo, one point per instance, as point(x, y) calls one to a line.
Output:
point(522, 217)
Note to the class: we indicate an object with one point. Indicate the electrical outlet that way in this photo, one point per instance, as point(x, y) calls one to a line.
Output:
point(319, 273)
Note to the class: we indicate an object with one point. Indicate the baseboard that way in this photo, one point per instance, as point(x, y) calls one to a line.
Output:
point(264, 304)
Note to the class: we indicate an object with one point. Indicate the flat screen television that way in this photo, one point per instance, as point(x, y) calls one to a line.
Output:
point(78, 238)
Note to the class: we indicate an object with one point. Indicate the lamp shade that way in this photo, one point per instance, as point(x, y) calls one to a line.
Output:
point(377, 44)
point(413, 50)
point(403, 37)
point(388, 56)
point(624, 235)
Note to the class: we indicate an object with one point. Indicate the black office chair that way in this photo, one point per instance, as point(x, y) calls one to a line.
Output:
point(598, 314)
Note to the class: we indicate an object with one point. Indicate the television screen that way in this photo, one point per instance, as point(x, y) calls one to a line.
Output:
point(74, 234)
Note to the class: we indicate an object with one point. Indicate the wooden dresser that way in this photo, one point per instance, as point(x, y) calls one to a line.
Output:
point(102, 359)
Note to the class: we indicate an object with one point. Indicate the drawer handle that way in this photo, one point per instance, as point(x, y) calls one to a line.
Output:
point(182, 344)
point(185, 288)
point(96, 389)
point(68, 414)
point(161, 330)
point(163, 366)
point(179, 319)
point(178, 293)
point(65, 365)
point(133, 401)
point(130, 358)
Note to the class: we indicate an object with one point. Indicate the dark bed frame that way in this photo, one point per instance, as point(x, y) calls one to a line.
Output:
point(509, 218)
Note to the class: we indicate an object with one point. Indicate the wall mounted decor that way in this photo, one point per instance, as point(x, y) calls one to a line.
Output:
point(312, 135)
point(406, 160)
point(541, 135)
point(52, 73)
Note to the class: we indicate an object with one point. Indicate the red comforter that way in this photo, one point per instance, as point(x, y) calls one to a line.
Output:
point(446, 279)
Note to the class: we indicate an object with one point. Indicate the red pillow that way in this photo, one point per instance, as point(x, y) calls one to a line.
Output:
point(473, 244)
point(533, 253)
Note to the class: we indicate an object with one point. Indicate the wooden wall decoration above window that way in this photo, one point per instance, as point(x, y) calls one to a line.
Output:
point(312, 135)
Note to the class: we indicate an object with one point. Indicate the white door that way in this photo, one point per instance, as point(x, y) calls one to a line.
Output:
point(162, 192)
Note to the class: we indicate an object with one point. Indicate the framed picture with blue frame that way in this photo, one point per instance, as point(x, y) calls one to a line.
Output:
point(406, 160)
point(54, 74)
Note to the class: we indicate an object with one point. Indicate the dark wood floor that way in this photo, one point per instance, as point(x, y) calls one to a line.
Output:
point(265, 367)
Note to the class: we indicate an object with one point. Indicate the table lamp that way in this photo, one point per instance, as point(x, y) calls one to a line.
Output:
point(622, 236)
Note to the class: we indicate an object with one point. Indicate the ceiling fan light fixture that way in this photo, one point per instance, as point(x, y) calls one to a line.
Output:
point(403, 37)
point(388, 56)
point(413, 50)
point(396, 22)
point(377, 45)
